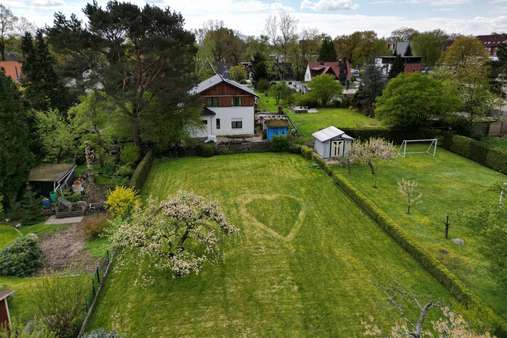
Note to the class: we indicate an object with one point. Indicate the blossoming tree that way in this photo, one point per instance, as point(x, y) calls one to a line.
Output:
point(180, 234)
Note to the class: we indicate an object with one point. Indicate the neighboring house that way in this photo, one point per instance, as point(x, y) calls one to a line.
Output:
point(229, 109)
point(12, 69)
point(297, 86)
point(5, 318)
point(492, 42)
point(332, 143)
point(334, 69)
point(413, 64)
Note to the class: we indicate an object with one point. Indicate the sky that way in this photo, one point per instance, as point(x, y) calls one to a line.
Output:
point(333, 17)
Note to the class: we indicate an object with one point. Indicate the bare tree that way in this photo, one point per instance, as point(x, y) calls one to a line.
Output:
point(24, 25)
point(288, 31)
point(408, 188)
point(271, 29)
point(7, 21)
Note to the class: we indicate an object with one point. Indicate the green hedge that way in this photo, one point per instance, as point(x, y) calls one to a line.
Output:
point(476, 151)
point(142, 171)
point(432, 265)
point(393, 135)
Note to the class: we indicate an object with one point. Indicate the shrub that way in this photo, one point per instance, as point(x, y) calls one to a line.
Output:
point(122, 201)
point(125, 170)
point(95, 225)
point(129, 154)
point(22, 258)
point(306, 100)
point(263, 85)
point(60, 303)
point(31, 208)
point(73, 196)
point(280, 144)
point(2, 213)
point(142, 171)
point(206, 150)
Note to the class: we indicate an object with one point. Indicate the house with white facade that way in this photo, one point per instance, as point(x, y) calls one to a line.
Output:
point(229, 109)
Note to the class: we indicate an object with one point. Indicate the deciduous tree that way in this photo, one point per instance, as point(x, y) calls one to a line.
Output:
point(324, 88)
point(238, 73)
point(57, 137)
point(180, 233)
point(411, 100)
point(409, 190)
point(430, 46)
point(7, 25)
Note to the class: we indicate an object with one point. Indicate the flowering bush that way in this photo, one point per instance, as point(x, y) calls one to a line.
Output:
point(122, 201)
point(181, 233)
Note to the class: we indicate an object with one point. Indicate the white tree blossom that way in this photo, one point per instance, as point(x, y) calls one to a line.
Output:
point(180, 234)
point(408, 188)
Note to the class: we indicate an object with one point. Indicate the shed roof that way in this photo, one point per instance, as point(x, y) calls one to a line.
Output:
point(330, 133)
point(5, 294)
point(277, 123)
point(49, 172)
point(216, 79)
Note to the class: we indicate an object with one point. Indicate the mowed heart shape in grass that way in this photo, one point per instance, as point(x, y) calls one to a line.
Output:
point(280, 215)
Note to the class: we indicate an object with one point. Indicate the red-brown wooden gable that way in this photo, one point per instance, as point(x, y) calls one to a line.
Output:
point(225, 93)
point(4, 316)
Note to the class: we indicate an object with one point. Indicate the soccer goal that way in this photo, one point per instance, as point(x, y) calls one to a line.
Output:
point(431, 148)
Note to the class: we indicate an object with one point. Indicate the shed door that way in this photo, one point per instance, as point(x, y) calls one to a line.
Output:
point(336, 148)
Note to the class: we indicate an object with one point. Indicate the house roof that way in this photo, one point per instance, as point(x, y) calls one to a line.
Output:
point(49, 172)
point(207, 112)
point(12, 69)
point(5, 294)
point(277, 123)
point(217, 79)
point(401, 48)
point(329, 133)
point(492, 40)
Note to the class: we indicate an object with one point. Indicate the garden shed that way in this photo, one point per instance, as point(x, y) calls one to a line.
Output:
point(46, 178)
point(332, 143)
point(276, 128)
point(5, 318)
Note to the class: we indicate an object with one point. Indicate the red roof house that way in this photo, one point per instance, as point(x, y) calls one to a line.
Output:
point(332, 68)
point(12, 69)
point(492, 42)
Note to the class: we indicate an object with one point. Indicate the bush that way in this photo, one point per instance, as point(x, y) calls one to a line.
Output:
point(142, 171)
point(31, 208)
point(129, 154)
point(125, 170)
point(60, 303)
point(95, 225)
point(263, 85)
point(73, 196)
point(206, 150)
point(122, 201)
point(22, 258)
point(306, 100)
point(280, 144)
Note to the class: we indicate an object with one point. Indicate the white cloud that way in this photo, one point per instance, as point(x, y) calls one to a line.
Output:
point(328, 5)
point(47, 3)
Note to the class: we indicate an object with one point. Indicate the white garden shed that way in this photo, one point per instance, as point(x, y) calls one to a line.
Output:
point(332, 143)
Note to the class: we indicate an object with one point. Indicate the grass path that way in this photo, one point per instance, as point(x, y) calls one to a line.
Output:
point(450, 185)
point(320, 277)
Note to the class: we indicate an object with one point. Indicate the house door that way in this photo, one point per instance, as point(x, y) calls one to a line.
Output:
point(336, 148)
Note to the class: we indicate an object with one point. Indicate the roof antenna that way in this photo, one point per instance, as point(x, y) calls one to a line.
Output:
point(213, 69)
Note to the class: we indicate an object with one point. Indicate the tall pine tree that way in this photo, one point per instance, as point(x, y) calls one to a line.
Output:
point(44, 89)
point(16, 158)
point(397, 68)
point(327, 51)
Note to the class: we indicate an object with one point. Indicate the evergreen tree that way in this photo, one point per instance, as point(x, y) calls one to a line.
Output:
point(397, 68)
point(371, 87)
point(44, 89)
point(31, 208)
point(502, 57)
point(260, 69)
point(327, 51)
point(16, 158)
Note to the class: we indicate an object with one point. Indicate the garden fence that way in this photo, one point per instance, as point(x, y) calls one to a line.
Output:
point(98, 280)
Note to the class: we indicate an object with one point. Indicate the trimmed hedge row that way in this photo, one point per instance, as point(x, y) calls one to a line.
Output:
point(141, 173)
point(393, 135)
point(432, 265)
point(476, 151)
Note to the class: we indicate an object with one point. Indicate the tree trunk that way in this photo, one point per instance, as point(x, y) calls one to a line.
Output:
point(136, 132)
point(2, 49)
point(373, 172)
point(420, 322)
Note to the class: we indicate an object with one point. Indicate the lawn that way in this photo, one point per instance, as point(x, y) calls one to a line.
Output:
point(308, 124)
point(450, 184)
point(307, 262)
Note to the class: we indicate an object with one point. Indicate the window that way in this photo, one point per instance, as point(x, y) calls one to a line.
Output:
point(204, 122)
point(213, 102)
point(237, 124)
point(218, 123)
point(236, 101)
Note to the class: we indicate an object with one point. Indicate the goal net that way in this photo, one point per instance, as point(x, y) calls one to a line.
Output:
point(424, 146)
